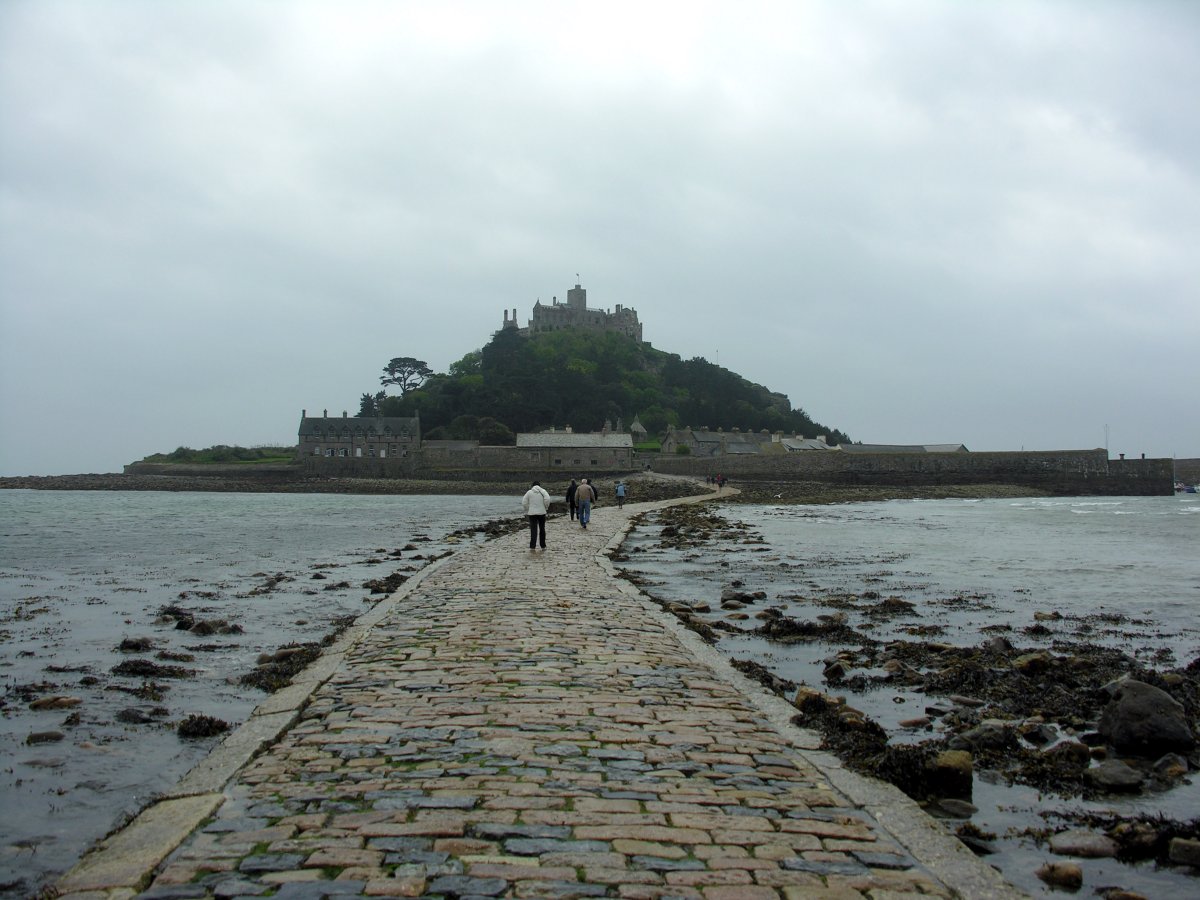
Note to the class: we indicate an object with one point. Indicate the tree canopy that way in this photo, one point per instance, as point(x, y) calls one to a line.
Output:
point(521, 383)
point(406, 373)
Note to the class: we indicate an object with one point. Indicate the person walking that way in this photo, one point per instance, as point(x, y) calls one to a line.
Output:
point(536, 504)
point(620, 492)
point(584, 495)
point(571, 506)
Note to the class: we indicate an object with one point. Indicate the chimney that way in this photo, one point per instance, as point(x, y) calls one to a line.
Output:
point(325, 414)
point(345, 415)
point(304, 413)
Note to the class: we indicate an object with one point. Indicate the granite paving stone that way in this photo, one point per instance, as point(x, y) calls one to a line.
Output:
point(524, 724)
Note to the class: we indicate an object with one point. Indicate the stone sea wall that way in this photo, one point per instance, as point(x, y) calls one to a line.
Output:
point(1059, 472)
point(1064, 472)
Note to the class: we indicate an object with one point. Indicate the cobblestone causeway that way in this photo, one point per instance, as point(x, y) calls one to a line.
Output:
point(522, 724)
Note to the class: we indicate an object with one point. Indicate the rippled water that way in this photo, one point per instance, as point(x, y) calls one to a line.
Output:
point(1120, 572)
point(80, 571)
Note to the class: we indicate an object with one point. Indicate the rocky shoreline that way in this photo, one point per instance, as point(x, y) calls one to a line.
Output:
point(649, 487)
point(1078, 720)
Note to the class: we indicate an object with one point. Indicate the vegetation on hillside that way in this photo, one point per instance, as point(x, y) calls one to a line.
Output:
point(525, 383)
point(222, 453)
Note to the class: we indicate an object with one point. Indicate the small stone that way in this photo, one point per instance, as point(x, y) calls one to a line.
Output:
point(44, 737)
point(1033, 663)
point(1071, 753)
point(1114, 775)
point(953, 808)
point(55, 702)
point(1080, 842)
point(464, 885)
point(1061, 874)
point(1184, 851)
point(1171, 766)
point(271, 862)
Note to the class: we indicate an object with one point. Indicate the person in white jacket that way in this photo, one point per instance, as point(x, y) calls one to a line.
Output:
point(536, 504)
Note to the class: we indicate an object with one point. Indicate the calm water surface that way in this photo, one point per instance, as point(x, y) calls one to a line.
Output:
point(80, 571)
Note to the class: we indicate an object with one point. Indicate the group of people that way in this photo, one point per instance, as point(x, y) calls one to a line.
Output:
point(580, 496)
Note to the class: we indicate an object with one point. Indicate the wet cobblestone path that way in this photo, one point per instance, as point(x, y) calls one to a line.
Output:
point(521, 724)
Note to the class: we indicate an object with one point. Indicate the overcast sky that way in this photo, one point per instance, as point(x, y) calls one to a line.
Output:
point(922, 221)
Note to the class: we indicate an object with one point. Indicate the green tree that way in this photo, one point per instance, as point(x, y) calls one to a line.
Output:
point(471, 364)
point(406, 373)
point(368, 404)
point(580, 378)
point(495, 433)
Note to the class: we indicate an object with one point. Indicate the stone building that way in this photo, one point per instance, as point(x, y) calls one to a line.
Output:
point(705, 443)
point(579, 452)
point(576, 314)
point(358, 437)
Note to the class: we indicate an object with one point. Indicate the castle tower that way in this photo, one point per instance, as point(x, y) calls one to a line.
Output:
point(577, 298)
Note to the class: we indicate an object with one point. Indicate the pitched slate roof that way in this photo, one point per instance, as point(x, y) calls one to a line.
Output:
point(580, 440)
point(796, 445)
point(373, 425)
point(904, 448)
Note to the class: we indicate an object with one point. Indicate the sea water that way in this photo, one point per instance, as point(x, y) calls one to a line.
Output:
point(1121, 572)
point(81, 571)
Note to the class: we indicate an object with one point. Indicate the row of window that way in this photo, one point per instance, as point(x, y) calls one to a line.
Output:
point(347, 436)
point(344, 452)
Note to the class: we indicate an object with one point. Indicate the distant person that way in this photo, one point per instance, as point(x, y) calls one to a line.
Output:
point(536, 504)
point(571, 506)
point(620, 492)
point(585, 494)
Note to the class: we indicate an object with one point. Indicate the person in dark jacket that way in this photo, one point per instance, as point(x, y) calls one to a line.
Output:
point(584, 495)
point(571, 488)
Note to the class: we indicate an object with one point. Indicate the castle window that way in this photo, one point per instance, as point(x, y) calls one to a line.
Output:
point(371, 450)
point(358, 452)
point(316, 451)
point(344, 452)
point(329, 451)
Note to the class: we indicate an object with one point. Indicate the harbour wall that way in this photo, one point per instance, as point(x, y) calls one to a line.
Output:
point(1062, 472)
point(1057, 472)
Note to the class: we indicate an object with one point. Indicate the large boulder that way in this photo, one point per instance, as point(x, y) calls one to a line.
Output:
point(1142, 720)
point(991, 734)
point(1114, 775)
point(952, 774)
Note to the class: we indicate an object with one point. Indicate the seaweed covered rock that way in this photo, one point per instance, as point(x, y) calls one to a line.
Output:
point(276, 670)
point(144, 668)
point(1143, 720)
point(198, 726)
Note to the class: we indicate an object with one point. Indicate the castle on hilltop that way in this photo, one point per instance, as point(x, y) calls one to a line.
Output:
point(575, 314)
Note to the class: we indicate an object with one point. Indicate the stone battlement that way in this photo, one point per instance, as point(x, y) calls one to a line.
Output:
point(574, 313)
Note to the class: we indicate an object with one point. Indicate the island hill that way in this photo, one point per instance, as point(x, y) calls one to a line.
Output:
point(577, 391)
